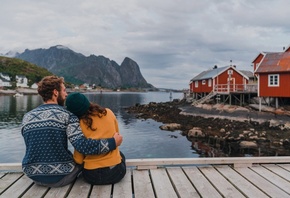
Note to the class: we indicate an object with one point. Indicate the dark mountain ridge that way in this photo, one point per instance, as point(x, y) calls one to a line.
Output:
point(77, 68)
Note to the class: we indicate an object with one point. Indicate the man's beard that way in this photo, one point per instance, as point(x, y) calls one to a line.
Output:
point(60, 100)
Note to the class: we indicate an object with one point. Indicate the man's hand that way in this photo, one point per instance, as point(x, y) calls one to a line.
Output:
point(118, 139)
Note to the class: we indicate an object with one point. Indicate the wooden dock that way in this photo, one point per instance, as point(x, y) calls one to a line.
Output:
point(164, 178)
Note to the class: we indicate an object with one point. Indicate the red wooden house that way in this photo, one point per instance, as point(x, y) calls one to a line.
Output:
point(223, 80)
point(273, 72)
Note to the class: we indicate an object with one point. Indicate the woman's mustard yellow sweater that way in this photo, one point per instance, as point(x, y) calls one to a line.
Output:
point(105, 127)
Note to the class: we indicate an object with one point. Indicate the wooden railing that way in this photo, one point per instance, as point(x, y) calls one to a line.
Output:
point(227, 88)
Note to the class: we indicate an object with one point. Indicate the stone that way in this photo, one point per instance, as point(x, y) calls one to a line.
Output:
point(195, 132)
point(248, 144)
point(170, 126)
point(222, 130)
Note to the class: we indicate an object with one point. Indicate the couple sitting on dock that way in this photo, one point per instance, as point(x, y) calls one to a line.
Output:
point(91, 129)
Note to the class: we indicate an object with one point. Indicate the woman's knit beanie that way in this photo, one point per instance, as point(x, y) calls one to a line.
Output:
point(77, 103)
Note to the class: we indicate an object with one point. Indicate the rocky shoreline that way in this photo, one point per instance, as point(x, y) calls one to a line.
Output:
point(223, 130)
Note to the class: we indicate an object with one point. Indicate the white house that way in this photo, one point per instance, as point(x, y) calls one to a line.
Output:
point(34, 86)
point(21, 81)
point(5, 76)
point(5, 80)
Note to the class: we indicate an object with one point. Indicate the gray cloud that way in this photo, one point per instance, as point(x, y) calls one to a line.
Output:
point(171, 40)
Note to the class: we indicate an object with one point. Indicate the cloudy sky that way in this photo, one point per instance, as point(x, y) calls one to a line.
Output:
point(171, 40)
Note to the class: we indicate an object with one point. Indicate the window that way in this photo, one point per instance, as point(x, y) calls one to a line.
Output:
point(203, 82)
point(196, 83)
point(230, 72)
point(209, 82)
point(273, 80)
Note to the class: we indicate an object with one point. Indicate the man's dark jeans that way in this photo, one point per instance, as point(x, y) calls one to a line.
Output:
point(66, 180)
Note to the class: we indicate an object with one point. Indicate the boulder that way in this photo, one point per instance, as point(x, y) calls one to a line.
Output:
point(195, 132)
point(170, 127)
point(248, 144)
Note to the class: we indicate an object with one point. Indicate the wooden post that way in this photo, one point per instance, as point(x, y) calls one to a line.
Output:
point(260, 104)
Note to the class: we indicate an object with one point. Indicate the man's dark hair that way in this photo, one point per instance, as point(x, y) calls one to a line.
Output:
point(47, 85)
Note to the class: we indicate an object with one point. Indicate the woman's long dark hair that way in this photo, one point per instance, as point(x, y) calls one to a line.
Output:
point(94, 110)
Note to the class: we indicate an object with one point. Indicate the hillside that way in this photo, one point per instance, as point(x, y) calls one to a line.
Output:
point(77, 68)
point(14, 66)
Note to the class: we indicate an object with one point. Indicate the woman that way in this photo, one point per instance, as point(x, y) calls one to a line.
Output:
point(97, 122)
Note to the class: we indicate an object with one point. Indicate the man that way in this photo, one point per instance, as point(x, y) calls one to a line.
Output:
point(47, 128)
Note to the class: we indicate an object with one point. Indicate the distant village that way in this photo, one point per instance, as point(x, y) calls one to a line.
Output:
point(22, 82)
point(21, 86)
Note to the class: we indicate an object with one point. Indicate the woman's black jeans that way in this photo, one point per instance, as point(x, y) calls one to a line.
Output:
point(108, 175)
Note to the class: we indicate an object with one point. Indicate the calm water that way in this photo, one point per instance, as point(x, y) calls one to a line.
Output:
point(142, 138)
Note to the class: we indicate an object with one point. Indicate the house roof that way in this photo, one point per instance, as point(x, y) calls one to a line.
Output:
point(20, 76)
point(263, 54)
point(3, 79)
point(275, 62)
point(287, 48)
point(247, 73)
point(4, 74)
point(260, 54)
point(211, 73)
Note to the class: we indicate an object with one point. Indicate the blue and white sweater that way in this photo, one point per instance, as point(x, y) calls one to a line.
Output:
point(46, 131)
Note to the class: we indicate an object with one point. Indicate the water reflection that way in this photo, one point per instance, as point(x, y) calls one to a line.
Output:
point(13, 108)
point(142, 138)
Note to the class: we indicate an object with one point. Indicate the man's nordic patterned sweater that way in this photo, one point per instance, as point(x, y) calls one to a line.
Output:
point(46, 130)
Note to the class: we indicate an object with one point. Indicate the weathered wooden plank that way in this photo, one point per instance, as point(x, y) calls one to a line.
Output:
point(7, 180)
point(1, 174)
point(58, 192)
point(101, 191)
point(223, 186)
point(273, 178)
point(203, 186)
point(17, 189)
point(35, 191)
point(266, 186)
point(80, 189)
point(240, 182)
point(11, 167)
point(278, 170)
point(182, 185)
point(162, 184)
point(123, 188)
point(143, 187)
point(285, 166)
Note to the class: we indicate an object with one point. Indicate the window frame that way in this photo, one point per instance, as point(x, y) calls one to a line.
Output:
point(273, 80)
point(209, 82)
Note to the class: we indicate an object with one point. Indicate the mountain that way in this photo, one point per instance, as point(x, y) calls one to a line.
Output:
point(14, 66)
point(10, 54)
point(77, 68)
